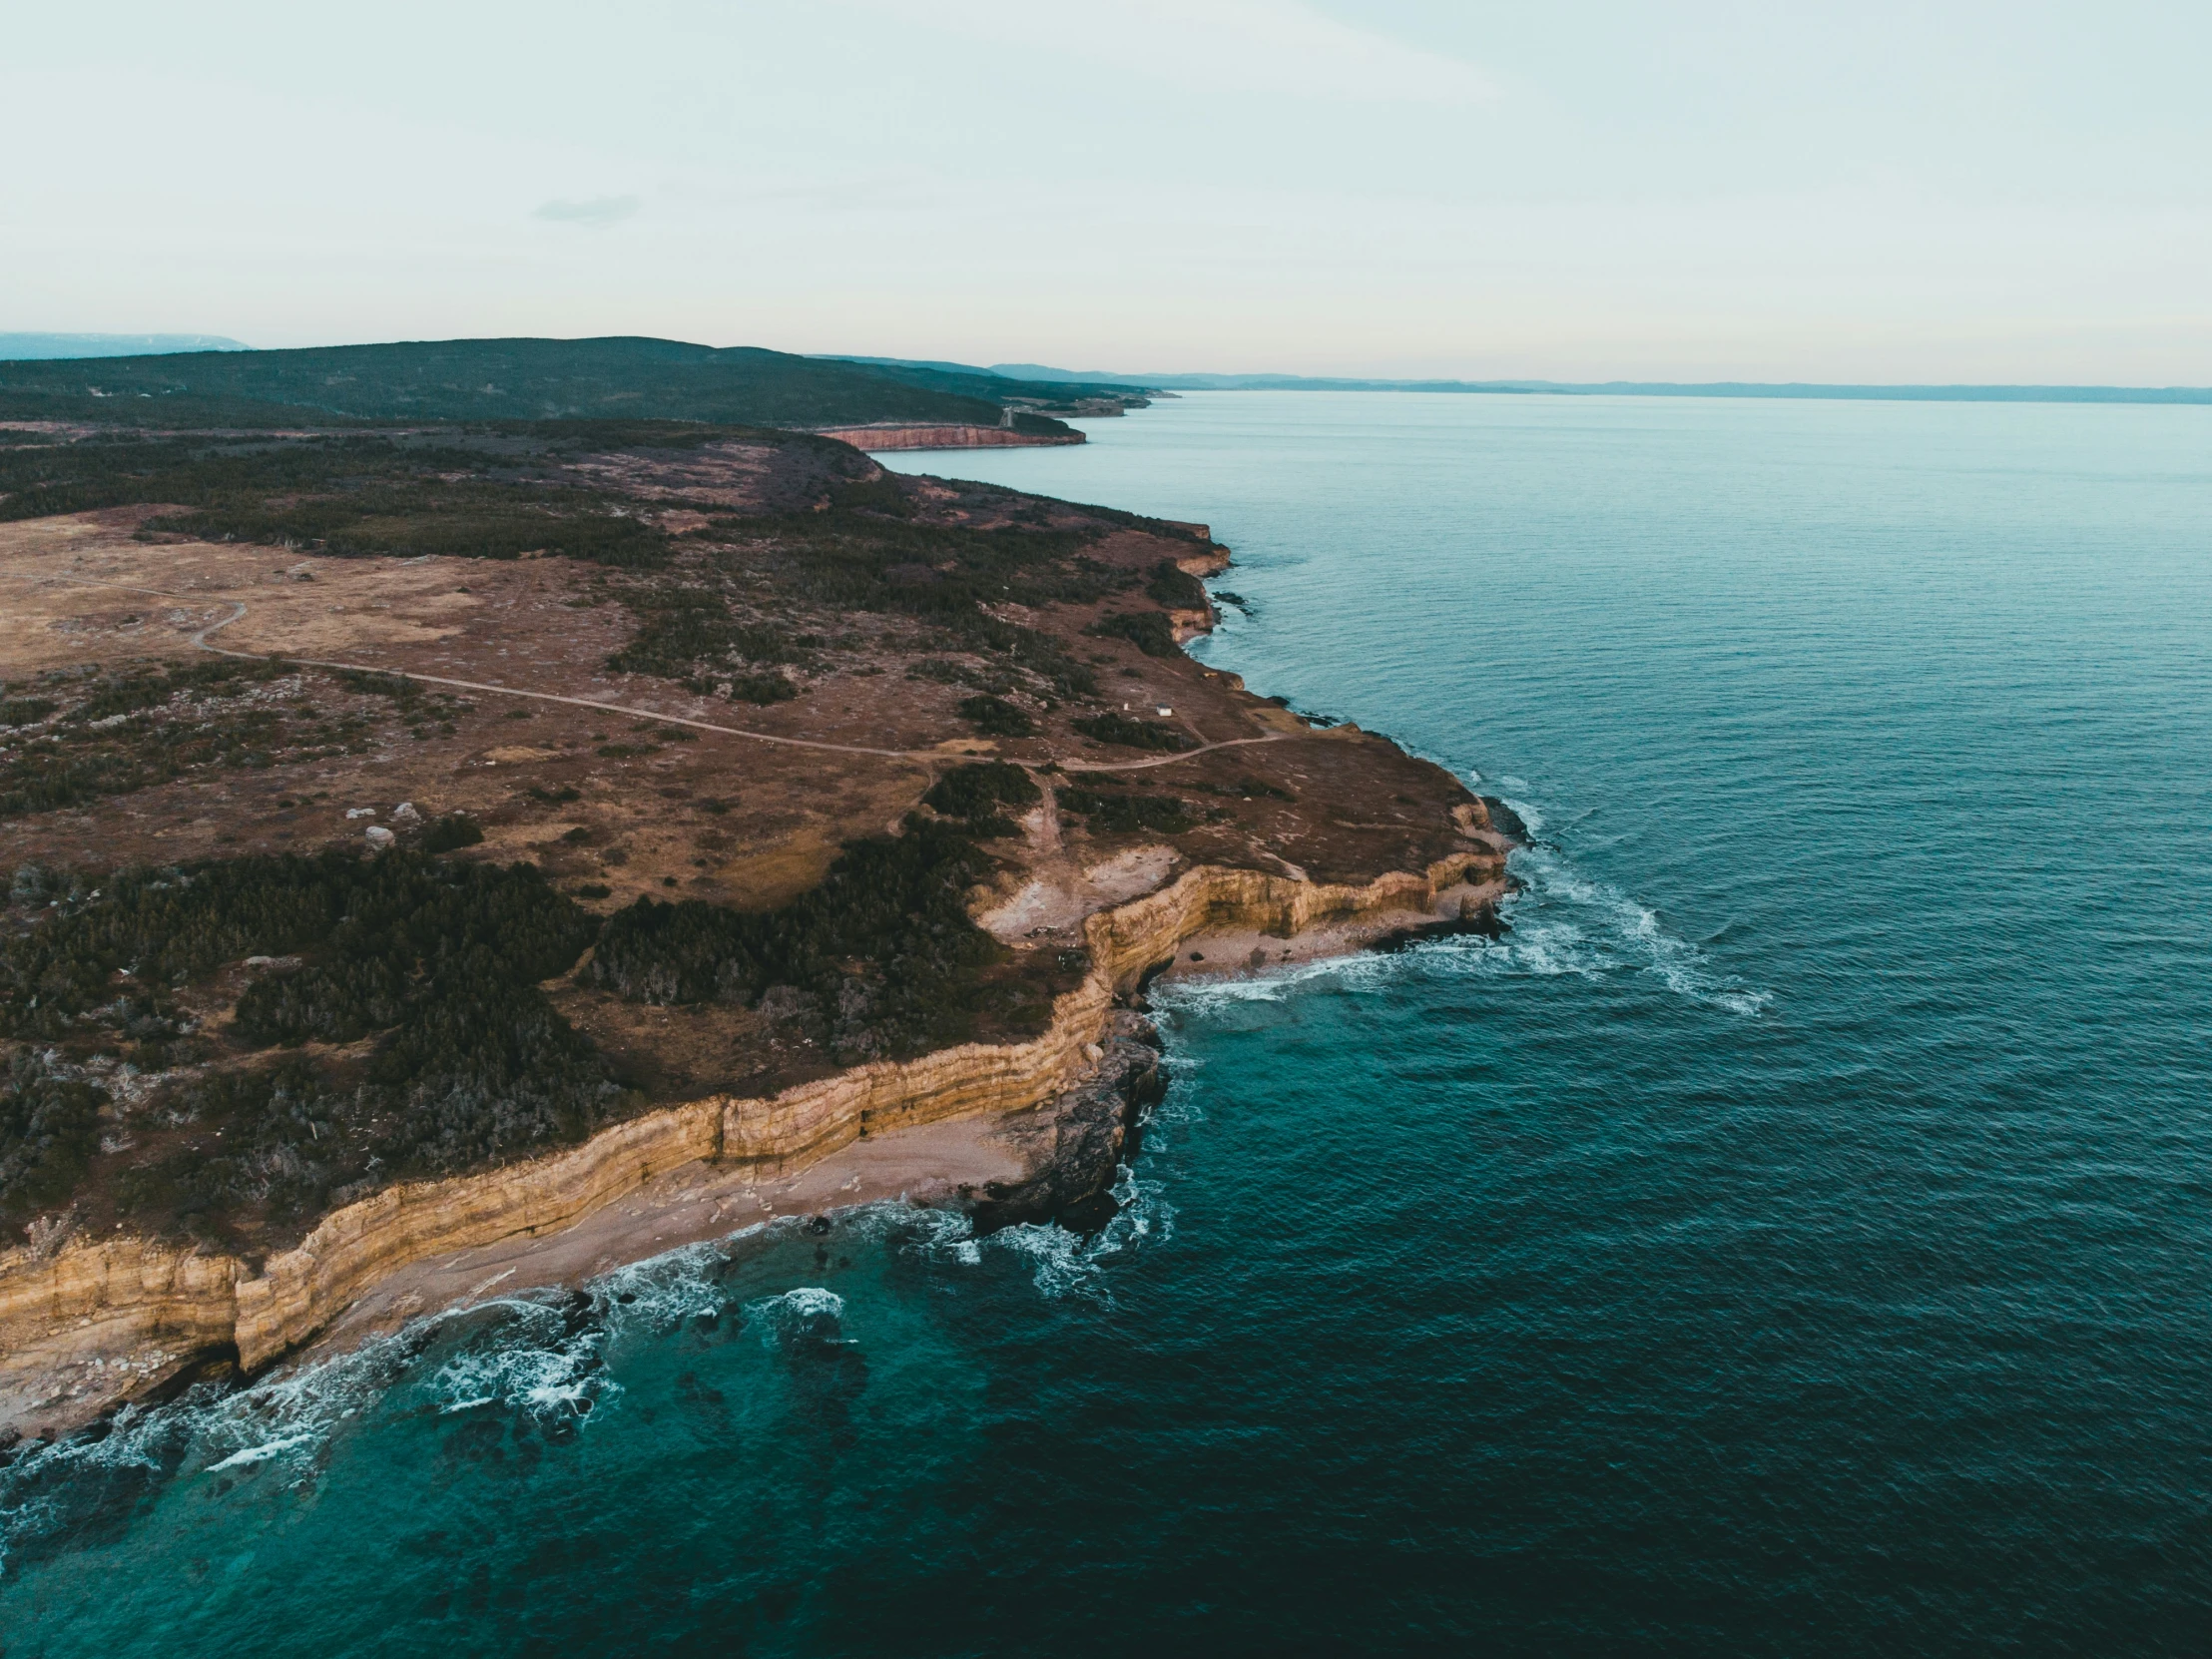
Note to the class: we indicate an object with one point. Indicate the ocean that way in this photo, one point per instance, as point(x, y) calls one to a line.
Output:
point(1793, 1237)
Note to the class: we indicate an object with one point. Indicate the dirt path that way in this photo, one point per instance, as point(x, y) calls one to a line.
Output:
point(926, 755)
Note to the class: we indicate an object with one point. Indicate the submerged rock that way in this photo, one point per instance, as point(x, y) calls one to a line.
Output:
point(1093, 1129)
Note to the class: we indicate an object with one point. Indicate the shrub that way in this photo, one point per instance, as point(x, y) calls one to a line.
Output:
point(689, 630)
point(1149, 631)
point(1119, 813)
point(995, 717)
point(440, 961)
point(880, 959)
point(49, 1131)
point(1135, 734)
point(980, 787)
point(1176, 588)
point(973, 794)
point(452, 832)
point(761, 688)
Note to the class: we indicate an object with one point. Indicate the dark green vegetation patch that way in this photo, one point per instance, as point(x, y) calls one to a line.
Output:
point(49, 1131)
point(755, 591)
point(976, 792)
point(1116, 814)
point(127, 731)
point(435, 965)
point(1149, 631)
point(1134, 733)
point(489, 495)
point(450, 832)
point(881, 960)
point(109, 734)
point(691, 634)
point(1176, 588)
point(994, 717)
point(508, 380)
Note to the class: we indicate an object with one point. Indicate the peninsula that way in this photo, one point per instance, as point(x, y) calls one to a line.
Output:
point(442, 838)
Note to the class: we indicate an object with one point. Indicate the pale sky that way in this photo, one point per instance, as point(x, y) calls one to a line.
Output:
point(1868, 192)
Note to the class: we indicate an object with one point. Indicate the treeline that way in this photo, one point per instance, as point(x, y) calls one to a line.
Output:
point(976, 792)
point(880, 959)
point(388, 933)
point(1120, 813)
point(437, 961)
point(504, 380)
point(1116, 727)
point(49, 1131)
point(418, 981)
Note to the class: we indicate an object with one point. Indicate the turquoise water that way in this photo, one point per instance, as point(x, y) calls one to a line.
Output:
point(1794, 1238)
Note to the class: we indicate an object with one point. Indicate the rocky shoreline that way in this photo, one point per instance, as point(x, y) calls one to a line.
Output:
point(1028, 1131)
point(893, 436)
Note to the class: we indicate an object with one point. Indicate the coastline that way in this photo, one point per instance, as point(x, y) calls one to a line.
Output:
point(1015, 1131)
point(907, 435)
point(88, 1326)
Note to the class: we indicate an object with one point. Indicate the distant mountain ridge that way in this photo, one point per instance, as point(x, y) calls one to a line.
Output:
point(36, 348)
point(615, 377)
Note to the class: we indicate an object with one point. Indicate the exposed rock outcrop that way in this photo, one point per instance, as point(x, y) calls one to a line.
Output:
point(88, 1324)
point(98, 1323)
point(1092, 1130)
point(946, 437)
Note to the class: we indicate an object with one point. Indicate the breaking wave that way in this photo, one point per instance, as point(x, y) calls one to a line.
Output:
point(279, 1429)
point(1559, 921)
point(542, 1359)
point(1073, 1264)
point(1565, 921)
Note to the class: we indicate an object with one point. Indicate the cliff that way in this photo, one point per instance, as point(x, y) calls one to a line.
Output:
point(88, 1324)
point(890, 436)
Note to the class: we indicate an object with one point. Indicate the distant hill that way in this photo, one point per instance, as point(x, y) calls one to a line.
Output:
point(1622, 388)
point(22, 347)
point(992, 381)
point(507, 379)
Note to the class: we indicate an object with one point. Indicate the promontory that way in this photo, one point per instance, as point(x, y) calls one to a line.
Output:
point(448, 822)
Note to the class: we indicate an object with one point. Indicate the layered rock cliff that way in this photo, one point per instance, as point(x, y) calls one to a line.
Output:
point(944, 437)
point(87, 1325)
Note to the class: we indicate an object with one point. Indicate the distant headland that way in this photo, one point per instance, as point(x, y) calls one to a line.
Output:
point(1604, 389)
point(618, 378)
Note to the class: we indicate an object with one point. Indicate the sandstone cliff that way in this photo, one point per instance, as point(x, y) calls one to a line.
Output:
point(944, 437)
point(87, 1325)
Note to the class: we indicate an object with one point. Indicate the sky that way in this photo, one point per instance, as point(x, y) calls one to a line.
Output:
point(1862, 192)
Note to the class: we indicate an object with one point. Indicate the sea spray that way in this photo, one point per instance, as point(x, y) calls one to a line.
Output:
point(1536, 1306)
point(545, 1359)
point(1558, 920)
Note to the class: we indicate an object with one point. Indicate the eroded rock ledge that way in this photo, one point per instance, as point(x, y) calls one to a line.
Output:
point(892, 436)
point(85, 1325)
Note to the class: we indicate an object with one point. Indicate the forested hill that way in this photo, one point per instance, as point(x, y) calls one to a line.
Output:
point(497, 380)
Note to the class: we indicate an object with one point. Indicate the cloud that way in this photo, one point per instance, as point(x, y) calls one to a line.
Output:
point(1244, 46)
point(596, 213)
